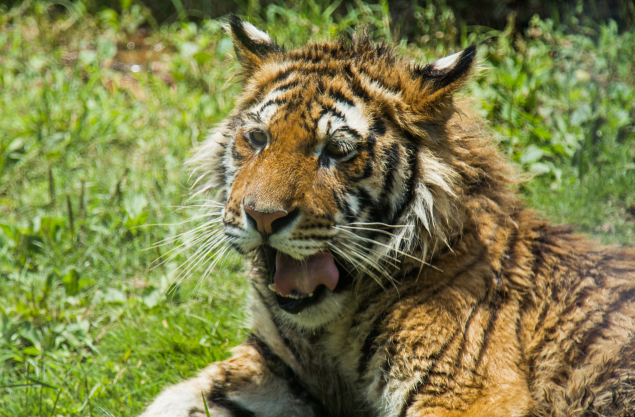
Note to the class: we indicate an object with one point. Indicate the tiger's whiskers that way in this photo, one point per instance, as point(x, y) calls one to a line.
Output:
point(208, 239)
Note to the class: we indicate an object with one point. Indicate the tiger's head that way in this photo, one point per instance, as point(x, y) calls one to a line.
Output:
point(333, 167)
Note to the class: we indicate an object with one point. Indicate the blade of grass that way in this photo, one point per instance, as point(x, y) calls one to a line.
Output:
point(205, 404)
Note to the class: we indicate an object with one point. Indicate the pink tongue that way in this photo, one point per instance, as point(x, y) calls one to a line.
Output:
point(304, 276)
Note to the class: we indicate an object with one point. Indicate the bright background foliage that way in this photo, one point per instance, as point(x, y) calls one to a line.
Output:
point(100, 105)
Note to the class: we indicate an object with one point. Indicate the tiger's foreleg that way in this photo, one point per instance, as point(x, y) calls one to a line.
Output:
point(249, 384)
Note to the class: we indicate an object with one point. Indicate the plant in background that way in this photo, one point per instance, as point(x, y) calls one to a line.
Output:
point(99, 107)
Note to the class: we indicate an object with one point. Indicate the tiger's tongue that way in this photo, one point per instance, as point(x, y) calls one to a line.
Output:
point(304, 276)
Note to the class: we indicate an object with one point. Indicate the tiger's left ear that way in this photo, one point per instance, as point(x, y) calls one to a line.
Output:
point(437, 82)
point(448, 71)
point(251, 45)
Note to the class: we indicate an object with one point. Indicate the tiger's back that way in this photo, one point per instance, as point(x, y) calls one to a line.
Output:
point(395, 271)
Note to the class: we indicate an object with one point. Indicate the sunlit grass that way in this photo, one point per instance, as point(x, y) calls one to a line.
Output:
point(98, 117)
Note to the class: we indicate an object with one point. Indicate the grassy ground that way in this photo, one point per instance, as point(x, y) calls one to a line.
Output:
point(97, 118)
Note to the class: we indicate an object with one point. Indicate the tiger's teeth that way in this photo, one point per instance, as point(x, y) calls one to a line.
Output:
point(295, 295)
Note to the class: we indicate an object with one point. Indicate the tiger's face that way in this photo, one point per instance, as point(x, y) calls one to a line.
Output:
point(318, 171)
point(314, 168)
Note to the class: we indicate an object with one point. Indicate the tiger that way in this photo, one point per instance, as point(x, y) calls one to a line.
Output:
point(394, 269)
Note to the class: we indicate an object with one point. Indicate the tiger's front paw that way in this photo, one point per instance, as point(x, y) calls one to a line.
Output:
point(182, 400)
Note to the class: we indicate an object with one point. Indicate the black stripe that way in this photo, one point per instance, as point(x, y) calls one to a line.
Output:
point(352, 132)
point(592, 336)
point(371, 142)
point(367, 352)
point(322, 70)
point(235, 246)
point(343, 205)
point(286, 87)
point(393, 157)
point(368, 171)
point(283, 371)
point(381, 82)
point(277, 101)
point(320, 86)
point(324, 161)
point(413, 151)
point(466, 329)
point(338, 96)
point(330, 109)
point(381, 211)
point(509, 257)
point(365, 199)
point(424, 379)
point(378, 127)
point(283, 75)
point(579, 295)
point(444, 77)
point(250, 115)
point(219, 398)
point(348, 70)
point(358, 90)
point(235, 154)
point(494, 310)
point(393, 161)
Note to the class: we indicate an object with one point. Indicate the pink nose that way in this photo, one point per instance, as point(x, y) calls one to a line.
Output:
point(264, 220)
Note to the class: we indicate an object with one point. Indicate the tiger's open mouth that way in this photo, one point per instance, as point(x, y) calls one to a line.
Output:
point(301, 284)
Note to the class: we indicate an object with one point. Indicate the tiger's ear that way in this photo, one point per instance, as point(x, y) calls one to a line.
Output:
point(251, 45)
point(437, 82)
point(449, 71)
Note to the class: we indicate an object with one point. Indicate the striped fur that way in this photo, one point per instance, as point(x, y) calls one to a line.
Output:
point(458, 301)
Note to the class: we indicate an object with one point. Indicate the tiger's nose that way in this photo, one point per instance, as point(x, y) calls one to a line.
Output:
point(264, 221)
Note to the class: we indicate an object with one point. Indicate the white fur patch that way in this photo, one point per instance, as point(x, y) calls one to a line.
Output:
point(395, 395)
point(354, 117)
point(447, 62)
point(322, 313)
point(330, 123)
point(179, 399)
point(255, 34)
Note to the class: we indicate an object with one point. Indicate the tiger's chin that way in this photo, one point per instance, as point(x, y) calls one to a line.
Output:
point(328, 309)
point(315, 307)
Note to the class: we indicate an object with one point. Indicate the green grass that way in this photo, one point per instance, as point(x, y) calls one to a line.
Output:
point(92, 176)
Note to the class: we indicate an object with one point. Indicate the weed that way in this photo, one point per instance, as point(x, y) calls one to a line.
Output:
point(97, 115)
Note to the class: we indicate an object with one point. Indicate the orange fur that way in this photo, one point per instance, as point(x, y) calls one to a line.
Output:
point(461, 301)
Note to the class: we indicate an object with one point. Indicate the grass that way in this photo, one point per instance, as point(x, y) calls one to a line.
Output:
point(97, 117)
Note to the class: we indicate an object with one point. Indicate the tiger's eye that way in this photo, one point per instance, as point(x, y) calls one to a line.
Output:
point(337, 152)
point(258, 138)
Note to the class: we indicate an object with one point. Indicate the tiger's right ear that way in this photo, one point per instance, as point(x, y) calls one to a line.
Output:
point(251, 45)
